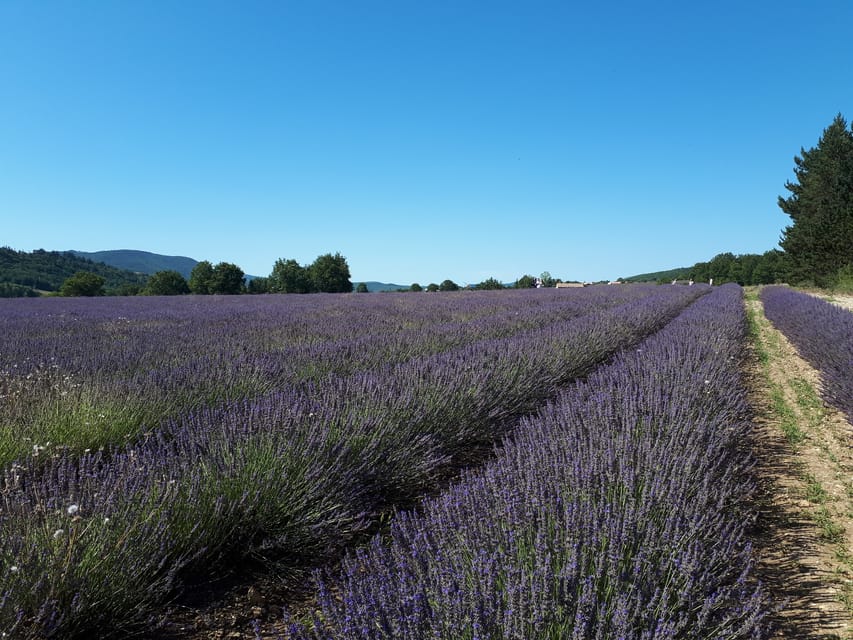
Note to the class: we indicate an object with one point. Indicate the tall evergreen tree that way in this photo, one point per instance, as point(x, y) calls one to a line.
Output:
point(819, 242)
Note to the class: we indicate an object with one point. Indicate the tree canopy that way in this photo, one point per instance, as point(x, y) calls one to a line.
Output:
point(525, 282)
point(201, 278)
point(42, 270)
point(83, 283)
point(490, 284)
point(288, 276)
point(228, 279)
point(448, 285)
point(166, 283)
point(328, 273)
point(819, 241)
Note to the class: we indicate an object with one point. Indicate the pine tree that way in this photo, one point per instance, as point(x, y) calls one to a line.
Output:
point(819, 242)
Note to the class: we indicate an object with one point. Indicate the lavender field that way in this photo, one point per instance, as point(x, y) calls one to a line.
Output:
point(822, 334)
point(617, 511)
point(147, 443)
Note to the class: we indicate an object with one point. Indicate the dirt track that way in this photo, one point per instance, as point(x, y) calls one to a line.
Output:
point(805, 528)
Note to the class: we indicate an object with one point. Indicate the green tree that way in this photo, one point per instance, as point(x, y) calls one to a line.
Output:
point(490, 284)
point(228, 279)
point(432, 287)
point(83, 283)
point(448, 285)
point(166, 283)
point(547, 280)
point(289, 277)
point(819, 242)
point(771, 268)
point(258, 285)
point(330, 274)
point(416, 287)
point(201, 278)
point(525, 282)
point(720, 268)
point(361, 288)
point(128, 289)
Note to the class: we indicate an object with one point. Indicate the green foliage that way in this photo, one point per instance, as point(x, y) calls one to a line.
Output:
point(361, 288)
point(140, 261)
point(432, 287)
point(11, 290)
point(166, 283)
point(225, 278)
point(289, 277)
point(201, 278)
point(525, 282)
point(844, 280)
point(819, 242)
point(83, 283)
point(490, 284)
point(46, 270)
point(330, 274)
point(416, 287)
point(547, 280)
point(258, 285)
point(448, 285)
point(228, 279)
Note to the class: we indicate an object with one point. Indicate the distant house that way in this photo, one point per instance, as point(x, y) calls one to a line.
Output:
point(569, 285)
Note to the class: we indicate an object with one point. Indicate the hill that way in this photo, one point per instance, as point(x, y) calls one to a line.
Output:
point(140, 261)
point(46, 271)
point(657, 276)
point(373, 286)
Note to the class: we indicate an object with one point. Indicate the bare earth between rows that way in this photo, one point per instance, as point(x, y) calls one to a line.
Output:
point(805, 525)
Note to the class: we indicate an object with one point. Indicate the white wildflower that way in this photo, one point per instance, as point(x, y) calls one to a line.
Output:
point(58, 534)
point(73, 509)
point(14, 568)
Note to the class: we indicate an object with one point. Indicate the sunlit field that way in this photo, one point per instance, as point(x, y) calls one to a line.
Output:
point(150, 443)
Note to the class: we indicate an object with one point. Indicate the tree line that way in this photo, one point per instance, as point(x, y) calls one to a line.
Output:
point(328, 273)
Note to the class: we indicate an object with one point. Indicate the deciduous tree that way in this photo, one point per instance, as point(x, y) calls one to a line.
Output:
point(201, 278)
point(228, 279)
point(288, 276)
point(330, 274)
point(83, 283)
point(166, 283)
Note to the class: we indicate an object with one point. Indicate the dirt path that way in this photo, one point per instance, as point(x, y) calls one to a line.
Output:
point(805, 465)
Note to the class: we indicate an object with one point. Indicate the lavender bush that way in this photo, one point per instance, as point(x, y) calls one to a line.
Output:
point(99, 372)
point(617, 512)
point(822, 333)
point(98, 540)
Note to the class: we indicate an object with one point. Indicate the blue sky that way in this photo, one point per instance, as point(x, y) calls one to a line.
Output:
point(421, 140)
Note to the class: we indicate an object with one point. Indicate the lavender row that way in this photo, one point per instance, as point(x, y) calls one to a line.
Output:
point(89, 376)
point(99, 540)
point(822, 333)
point(619, 511)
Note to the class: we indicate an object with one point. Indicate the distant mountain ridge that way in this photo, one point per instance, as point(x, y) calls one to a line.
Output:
point(140, 261)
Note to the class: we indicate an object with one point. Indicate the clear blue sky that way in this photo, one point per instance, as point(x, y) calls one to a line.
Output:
point(422, 140)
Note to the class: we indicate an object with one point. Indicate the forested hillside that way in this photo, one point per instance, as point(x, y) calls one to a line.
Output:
point(23, 273)
point(141, 261)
